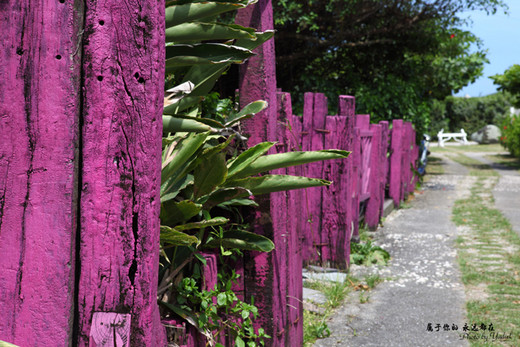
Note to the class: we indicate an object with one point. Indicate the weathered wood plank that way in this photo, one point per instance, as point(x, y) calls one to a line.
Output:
point(385, 137)
point(355, 179)
point(39, 112)
point(123, 68)
point(372, 213)
point(336, 229)
point(257, 81)
point(294, 334)
point(396, 156)
point(314, 114)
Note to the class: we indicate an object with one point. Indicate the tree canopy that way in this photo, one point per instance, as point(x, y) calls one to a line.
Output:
point(393, 55)
point(510, 82)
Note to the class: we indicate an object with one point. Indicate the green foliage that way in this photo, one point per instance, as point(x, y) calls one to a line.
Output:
point(511, 135)
point(471, 114)
point(510, 82)
point(217, 311)
point(315, 327)
point(368, 254)
point(392, 56)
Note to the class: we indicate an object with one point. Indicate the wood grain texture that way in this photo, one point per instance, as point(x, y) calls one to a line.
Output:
point(257, 81)
point(372, 213)
point(123, 68)
point(384, 159)
point(396, 158)
point(39, 112)
point(314, 115)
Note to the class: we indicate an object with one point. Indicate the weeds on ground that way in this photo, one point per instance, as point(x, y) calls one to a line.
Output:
point(368, 254)
point(489, 259)
point(315, 324)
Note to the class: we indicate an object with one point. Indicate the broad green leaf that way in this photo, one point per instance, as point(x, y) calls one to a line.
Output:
point(222, 195)
point(190, 32)
point(211, 173)
point(172, 187)
point(178, 14)
point(182, 152)
point(205, 53)
point(208, 121)
point(239, 202)
point(243, 240)
point(260, 38)
point(202, 224)
point(172, 124)
point(204, 77)
point(173, 213)
point(182, 104)
point(207, 152)
point(282, 160)
point(244, 160)
point(247, 112)
point(276, 183)
point(173, 236)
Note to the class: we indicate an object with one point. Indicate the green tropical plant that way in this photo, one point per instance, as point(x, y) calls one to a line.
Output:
point(205, 180)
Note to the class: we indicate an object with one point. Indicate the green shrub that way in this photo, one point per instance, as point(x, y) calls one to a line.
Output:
point(511, 135)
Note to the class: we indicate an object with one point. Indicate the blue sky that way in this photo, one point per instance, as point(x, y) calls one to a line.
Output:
point(501, 36)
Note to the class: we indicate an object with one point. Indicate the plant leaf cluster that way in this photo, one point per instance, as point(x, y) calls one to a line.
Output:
point(206, 181)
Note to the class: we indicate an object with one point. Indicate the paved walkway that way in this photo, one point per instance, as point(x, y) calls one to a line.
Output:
point(422, 282)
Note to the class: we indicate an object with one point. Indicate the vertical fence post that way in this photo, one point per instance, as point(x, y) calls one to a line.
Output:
point(39, 115)
point(355, 185)
point(396, 162)
point(372, 213)
point(262, 274)
point(385, 136)
point(295, 260)
point(288, 227)
point(347, 111)
point(314, 114)
point(407, 159)
point(336, 228)
point(123, 93)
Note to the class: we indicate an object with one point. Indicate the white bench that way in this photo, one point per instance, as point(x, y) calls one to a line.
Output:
point(459, 137)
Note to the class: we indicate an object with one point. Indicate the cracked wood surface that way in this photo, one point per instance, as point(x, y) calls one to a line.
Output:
point(39, 88)
point(123, 79)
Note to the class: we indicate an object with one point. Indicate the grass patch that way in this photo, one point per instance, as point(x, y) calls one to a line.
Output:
point(315, 324)
point(476, 167)
point(505, 159)
point(314, 327)
point(434, 166)
point(489, 257)
point(469, 148)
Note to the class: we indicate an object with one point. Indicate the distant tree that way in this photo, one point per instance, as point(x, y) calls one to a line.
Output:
point(393, 55)
point(510, 82)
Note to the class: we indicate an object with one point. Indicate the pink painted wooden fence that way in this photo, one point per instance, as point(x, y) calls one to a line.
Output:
point(81, 98)
point(80, 134)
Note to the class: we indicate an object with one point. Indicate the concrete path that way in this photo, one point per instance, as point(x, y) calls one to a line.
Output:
point(422, 282)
